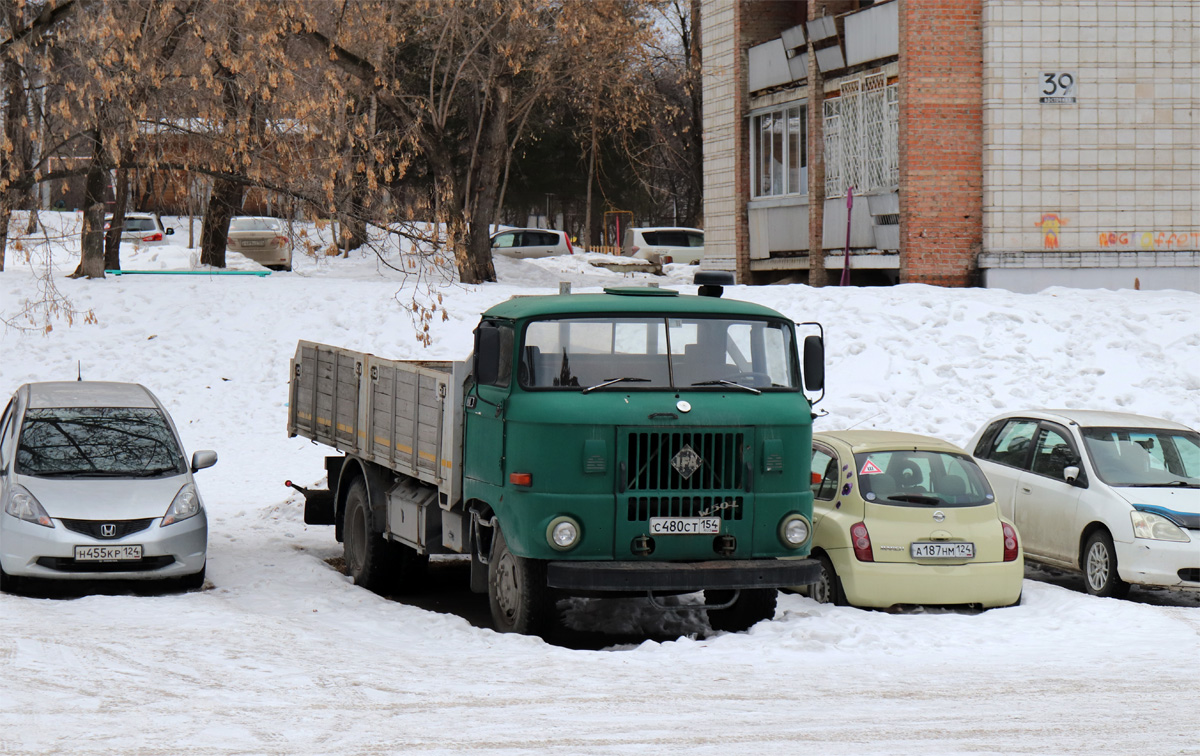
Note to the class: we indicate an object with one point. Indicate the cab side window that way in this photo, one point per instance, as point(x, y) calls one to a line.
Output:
point(824, 474)
point(1011, 445)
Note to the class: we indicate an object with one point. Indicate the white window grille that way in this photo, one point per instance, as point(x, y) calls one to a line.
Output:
point(861, 137)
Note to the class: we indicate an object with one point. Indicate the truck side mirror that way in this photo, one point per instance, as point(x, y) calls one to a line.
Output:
point(487, 355)
point(1071, 474)
point(814, 363)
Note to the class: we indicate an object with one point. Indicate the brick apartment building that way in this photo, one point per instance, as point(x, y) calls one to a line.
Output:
point(1009, 143)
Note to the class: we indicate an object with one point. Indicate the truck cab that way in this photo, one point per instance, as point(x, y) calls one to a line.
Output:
point(639, 441)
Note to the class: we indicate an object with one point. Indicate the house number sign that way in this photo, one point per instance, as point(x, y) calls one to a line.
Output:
point(1057, 88)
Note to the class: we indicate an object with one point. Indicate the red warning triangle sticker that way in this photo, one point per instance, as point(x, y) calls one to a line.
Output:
point(870, 468)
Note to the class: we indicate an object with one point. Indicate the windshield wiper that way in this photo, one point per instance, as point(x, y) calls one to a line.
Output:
point(932, 501)
point(153, 471)
point(611, 381)
point(1172, 484)
point(82, 474)
point(723, 382)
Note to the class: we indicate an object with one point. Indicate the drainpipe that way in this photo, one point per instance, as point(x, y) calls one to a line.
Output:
point(846, 259)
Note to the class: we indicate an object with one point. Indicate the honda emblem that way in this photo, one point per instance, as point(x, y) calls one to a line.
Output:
point(108, 530)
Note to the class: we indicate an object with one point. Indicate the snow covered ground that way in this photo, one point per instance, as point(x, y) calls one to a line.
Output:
point(281, 654)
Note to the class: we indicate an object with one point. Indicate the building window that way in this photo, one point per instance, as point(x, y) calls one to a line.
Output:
point(862, 137)
point(779, 153)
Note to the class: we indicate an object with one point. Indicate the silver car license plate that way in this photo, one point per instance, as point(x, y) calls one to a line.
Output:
point(685, 525)
point(942, 550)
point(107, 553)
point(253, 243)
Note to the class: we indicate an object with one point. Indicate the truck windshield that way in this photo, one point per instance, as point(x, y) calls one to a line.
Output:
point(656, 353)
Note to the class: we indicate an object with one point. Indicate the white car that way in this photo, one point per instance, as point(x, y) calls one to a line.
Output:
point(94, 485)
point(1113, 495)
point(142, 229)
point(669, 244)
point(531, 242)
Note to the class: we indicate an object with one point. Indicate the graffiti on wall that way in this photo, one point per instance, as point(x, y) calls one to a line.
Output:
point(1050, 224)
point(1150, 239)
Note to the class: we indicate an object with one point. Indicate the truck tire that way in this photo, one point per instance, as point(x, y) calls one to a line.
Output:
point(367, 554)
point(752, 606)
point(517, 592)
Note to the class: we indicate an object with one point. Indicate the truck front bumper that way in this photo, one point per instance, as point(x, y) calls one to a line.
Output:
point(681, 576)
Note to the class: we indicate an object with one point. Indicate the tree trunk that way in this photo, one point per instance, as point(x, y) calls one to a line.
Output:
point(112, 239)
point(591, 179)
point(817, 275)
point(91, 243)
point(226, 199)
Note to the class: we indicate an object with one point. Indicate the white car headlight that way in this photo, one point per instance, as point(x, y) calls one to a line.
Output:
point(1156, 527)
point(24, 506)
point(185, 505)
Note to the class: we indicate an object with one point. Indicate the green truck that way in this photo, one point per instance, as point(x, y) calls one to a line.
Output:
point(638, 442)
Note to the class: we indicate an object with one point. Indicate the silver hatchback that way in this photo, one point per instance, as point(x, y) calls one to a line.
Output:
point(94, 485)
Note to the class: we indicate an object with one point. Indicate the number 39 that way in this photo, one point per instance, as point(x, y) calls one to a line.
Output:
point(1058, 82)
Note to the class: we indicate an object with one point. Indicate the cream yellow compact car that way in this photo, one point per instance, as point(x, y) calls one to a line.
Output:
point(902, 519)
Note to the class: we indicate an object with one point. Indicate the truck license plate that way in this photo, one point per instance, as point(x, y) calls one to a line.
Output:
point(685, 525)
point(944, 550)
point(107, 553)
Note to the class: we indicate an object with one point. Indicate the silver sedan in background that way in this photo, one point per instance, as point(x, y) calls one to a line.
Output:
point(264, 240)
point(94, 484)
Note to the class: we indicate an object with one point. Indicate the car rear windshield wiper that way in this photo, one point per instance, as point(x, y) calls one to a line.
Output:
point(723, 382)
point(611, 381)
point(932, 501)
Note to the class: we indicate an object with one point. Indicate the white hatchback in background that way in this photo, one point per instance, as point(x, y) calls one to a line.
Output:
point(670, 244)
point(1113, 495)
point(94, 485)
point(531, 242)
point(141, 229)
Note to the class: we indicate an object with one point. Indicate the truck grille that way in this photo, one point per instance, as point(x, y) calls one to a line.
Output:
point(642, 508)
point(684, 461)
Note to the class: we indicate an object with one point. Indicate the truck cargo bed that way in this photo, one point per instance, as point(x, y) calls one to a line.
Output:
point(402, 414)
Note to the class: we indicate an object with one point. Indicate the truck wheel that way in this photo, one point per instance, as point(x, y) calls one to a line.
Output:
point(1100, 567)
point(365, 550)
point(752, 606)
point(517, 592)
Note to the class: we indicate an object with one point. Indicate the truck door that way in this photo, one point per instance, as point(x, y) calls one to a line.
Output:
point(486, 401)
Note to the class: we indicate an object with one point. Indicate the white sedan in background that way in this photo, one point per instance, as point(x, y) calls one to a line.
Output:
point(1113, 495)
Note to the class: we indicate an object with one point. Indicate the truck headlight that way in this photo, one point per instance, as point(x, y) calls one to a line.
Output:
point(563, 533)
point(793, 531)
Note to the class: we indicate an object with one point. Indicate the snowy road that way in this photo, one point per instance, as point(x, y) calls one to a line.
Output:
point(282, 655)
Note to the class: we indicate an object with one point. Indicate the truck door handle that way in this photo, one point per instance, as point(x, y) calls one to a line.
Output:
point(1025, 490)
